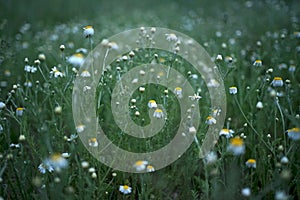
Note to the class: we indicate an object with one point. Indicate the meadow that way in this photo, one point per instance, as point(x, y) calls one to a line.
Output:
point(255, 46)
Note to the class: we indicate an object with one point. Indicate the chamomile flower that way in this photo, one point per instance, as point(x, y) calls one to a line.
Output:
point(233, 90)
point(226, 132)
point(211, 157)
point(76, 59)
point(213, 83)
point(93, 142)
point(259, 105)
point(56, 73)
point(80, 128)
point(158, 113)
point(43, 168)
point(30, 69)
point(277, 82)
point(257, 63)
point(192, 130)
point(294, 133)
point(85, 73)
point(281, 195)
point(171, 37)
point(219, 57)
point(236, 146)
point(19, 111)
point(56, 161)
point(140, 165)
point(195, 97)
point(125, 189)
point(2, 105)
point(246, 192)
point(88, 31)
point(150, 168)
point(251, 163)
point(85, 164)
point(152, 104)
point(72, 137)
point(178, 91)
point(210, 120)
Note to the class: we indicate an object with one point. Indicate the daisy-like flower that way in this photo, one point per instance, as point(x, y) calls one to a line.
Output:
point(76, 59)
point(56, 73)
point(85, 164)
point(28, 84)
point(56, 161)
point(211, 157)
point(19, 111)
point(152, 104)
point(277, 82)
point(219, 57)
point(281, 195)
point(294, 133)
point(292, 68)
point(251, 163)
point(236, 146)
point(12, 145)
point(171, 37)
point(140, 165)
point(259, 105)
point(2, 105)
point(213, 83)
point(228, 59)
point(210, 120)
point(113, 45)
point(192, 130)
point(88, 31)
point(125, 189)
point(30, 69)
point(246, 192)
point(150, 168)
point(72, 137)
point(233, 90)
point(226, 132)
point(80, 128)
point(43, 168)
point(93, 142)
point(85, 73)
point(257, 63)
point(216, 112)
point(195, 97)
point(158, 113)
point(22, 138)
point(66, 155)
point(284, 160)
point(178, 91)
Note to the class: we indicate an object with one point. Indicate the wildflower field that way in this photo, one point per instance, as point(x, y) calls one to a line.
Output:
point(47, 153)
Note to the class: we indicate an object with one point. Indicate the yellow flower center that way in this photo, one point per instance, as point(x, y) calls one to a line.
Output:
point(277, 79)
point(178, 88)
point(139, 163)
point(78, 55)
point(236, 141)
point(55, 157)
point(251, 161)
point(152, 101)
point(93, 140)
point(126, 187)
point(19, 109)
point(296, 129)
point(225, 130)
point(158, 111)
point(87, 27)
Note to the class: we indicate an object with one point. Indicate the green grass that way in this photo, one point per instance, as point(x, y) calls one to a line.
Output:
point(273, 24)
